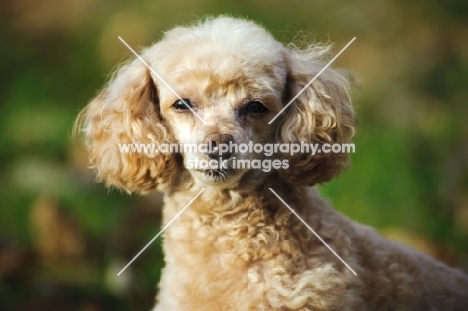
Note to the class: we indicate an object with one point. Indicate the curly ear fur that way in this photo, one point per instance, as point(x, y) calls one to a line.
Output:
point(127, 111)
point(321, 114)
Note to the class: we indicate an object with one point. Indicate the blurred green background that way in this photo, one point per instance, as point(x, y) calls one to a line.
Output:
point(64, 237)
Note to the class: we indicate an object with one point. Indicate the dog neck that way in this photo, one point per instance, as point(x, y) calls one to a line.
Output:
point(234, 230)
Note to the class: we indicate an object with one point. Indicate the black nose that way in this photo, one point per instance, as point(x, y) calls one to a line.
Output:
point(212, 142)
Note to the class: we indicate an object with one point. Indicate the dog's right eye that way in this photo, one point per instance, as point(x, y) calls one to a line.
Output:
point(182, 105)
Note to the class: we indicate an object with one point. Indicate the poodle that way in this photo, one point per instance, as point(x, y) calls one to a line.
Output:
point(237, 246)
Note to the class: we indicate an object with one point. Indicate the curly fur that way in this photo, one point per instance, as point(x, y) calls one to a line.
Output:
point(237, 247)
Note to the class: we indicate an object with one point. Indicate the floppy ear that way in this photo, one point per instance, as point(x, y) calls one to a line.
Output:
point(321, 114)
point(127, 111)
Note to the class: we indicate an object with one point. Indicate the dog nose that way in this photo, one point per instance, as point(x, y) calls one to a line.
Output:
point(212, 143)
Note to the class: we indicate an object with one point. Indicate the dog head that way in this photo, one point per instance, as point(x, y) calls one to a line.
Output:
point(212, 89)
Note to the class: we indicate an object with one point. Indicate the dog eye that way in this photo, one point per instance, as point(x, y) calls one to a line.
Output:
point(180, 105)
point(255, 108)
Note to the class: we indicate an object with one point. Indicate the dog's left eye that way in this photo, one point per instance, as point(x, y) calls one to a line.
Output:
point(180, 105)
point(254, 108)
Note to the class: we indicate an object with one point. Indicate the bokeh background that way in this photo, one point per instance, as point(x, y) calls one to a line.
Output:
point(64, 237)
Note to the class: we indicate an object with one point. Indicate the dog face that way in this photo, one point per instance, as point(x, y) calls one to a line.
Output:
point(232, 86)
point(217, 83)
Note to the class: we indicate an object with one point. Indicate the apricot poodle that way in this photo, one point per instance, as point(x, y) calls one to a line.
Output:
point(237, 246)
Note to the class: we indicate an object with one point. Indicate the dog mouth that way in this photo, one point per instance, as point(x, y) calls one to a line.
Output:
point(220, 171)
point(214, 170)
point(217, 175)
